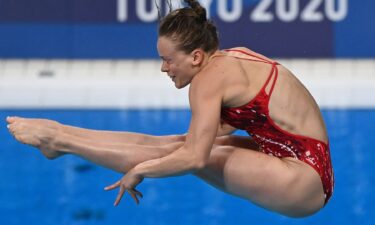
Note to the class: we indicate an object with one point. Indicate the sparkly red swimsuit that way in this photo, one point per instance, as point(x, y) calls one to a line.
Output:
point(255, 119)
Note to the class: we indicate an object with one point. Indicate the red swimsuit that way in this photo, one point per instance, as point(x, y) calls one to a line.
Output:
point(255, 119)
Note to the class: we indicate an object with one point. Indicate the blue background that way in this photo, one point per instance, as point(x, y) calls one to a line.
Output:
point(89, 29)
point(69, 190)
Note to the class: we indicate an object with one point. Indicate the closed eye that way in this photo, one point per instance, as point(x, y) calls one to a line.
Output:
point(167, 60)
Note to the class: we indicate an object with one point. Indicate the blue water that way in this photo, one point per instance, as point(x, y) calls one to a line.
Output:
point(69, 190)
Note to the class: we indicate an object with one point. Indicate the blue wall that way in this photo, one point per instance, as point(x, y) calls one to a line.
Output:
point(93, 28)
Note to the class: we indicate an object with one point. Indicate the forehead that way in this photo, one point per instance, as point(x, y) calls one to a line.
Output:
point(166, 46)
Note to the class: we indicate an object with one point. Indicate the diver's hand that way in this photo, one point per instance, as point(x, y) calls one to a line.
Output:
point(127, 184)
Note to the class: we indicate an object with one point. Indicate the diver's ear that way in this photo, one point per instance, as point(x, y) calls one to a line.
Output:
point(197, 56)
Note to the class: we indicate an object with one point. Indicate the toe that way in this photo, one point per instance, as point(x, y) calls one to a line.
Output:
point(10, 119)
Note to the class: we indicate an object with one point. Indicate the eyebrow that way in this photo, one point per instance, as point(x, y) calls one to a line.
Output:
point(165, 58)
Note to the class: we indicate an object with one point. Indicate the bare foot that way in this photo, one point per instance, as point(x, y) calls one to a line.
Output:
point(39, 133)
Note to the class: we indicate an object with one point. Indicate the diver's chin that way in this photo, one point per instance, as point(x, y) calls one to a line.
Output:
point(180, 86)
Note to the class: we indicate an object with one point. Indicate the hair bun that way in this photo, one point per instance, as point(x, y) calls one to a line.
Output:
point(198, 9)
point(189, 28)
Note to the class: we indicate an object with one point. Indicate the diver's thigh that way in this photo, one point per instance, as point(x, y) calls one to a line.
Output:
point(290, 188)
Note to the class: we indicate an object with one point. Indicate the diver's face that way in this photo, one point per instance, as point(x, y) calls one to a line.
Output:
point(176, 63)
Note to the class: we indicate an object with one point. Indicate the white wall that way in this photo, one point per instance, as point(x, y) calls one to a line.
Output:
point(139, 84)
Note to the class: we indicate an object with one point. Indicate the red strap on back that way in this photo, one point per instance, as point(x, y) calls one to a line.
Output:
point(274, 69)
point(258, 59)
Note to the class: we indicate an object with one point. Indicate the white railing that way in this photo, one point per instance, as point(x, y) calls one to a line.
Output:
point(336, 83)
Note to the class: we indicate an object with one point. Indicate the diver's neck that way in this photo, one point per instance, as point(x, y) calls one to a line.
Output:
point(208, 58)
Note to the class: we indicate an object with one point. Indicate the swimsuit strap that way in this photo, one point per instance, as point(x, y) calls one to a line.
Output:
point(274, 69)
point(257, 58)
